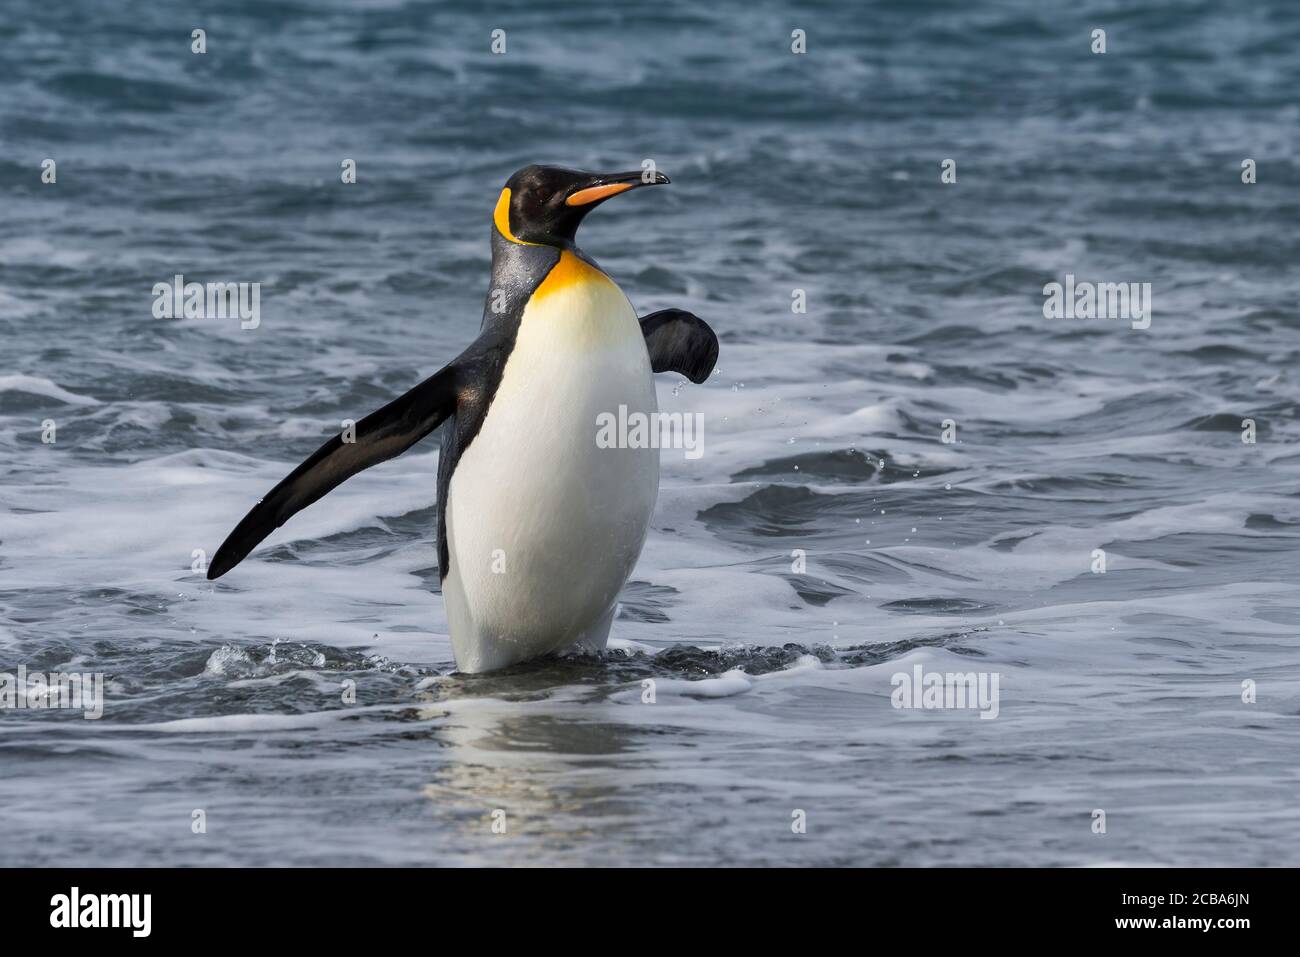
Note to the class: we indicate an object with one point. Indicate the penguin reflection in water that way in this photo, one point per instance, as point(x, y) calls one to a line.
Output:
point(538, 526)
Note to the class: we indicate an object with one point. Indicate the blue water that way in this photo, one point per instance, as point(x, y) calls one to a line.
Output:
point(1120, 691)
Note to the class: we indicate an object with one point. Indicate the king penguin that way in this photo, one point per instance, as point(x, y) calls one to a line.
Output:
point(538, 525)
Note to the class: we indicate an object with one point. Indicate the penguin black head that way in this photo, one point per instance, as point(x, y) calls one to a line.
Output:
point(543, 205)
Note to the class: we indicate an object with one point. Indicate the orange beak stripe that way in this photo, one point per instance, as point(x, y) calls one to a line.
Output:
point(592, 193)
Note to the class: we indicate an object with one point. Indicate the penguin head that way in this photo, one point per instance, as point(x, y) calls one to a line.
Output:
point(543, 205)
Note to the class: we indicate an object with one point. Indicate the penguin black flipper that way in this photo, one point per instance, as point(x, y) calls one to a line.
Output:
point(680, 342)
point(379, 436)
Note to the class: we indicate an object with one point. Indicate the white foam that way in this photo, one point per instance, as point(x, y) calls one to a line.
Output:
point(36, 385)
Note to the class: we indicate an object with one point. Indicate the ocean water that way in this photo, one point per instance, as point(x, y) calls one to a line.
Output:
point(827, 539)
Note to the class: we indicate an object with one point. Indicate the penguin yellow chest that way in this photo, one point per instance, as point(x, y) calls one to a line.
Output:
point(545, 523)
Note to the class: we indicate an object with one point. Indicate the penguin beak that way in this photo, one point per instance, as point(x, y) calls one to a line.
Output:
point(603, 186)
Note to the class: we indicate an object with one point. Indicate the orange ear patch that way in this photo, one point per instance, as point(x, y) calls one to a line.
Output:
point(501, 215)
point(592, 193)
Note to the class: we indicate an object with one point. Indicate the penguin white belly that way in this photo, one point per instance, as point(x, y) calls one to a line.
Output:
point(543, 525)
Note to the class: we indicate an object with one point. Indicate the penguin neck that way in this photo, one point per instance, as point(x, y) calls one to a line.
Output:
point(510, 251)
point(517, 270)
point(511, 260)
